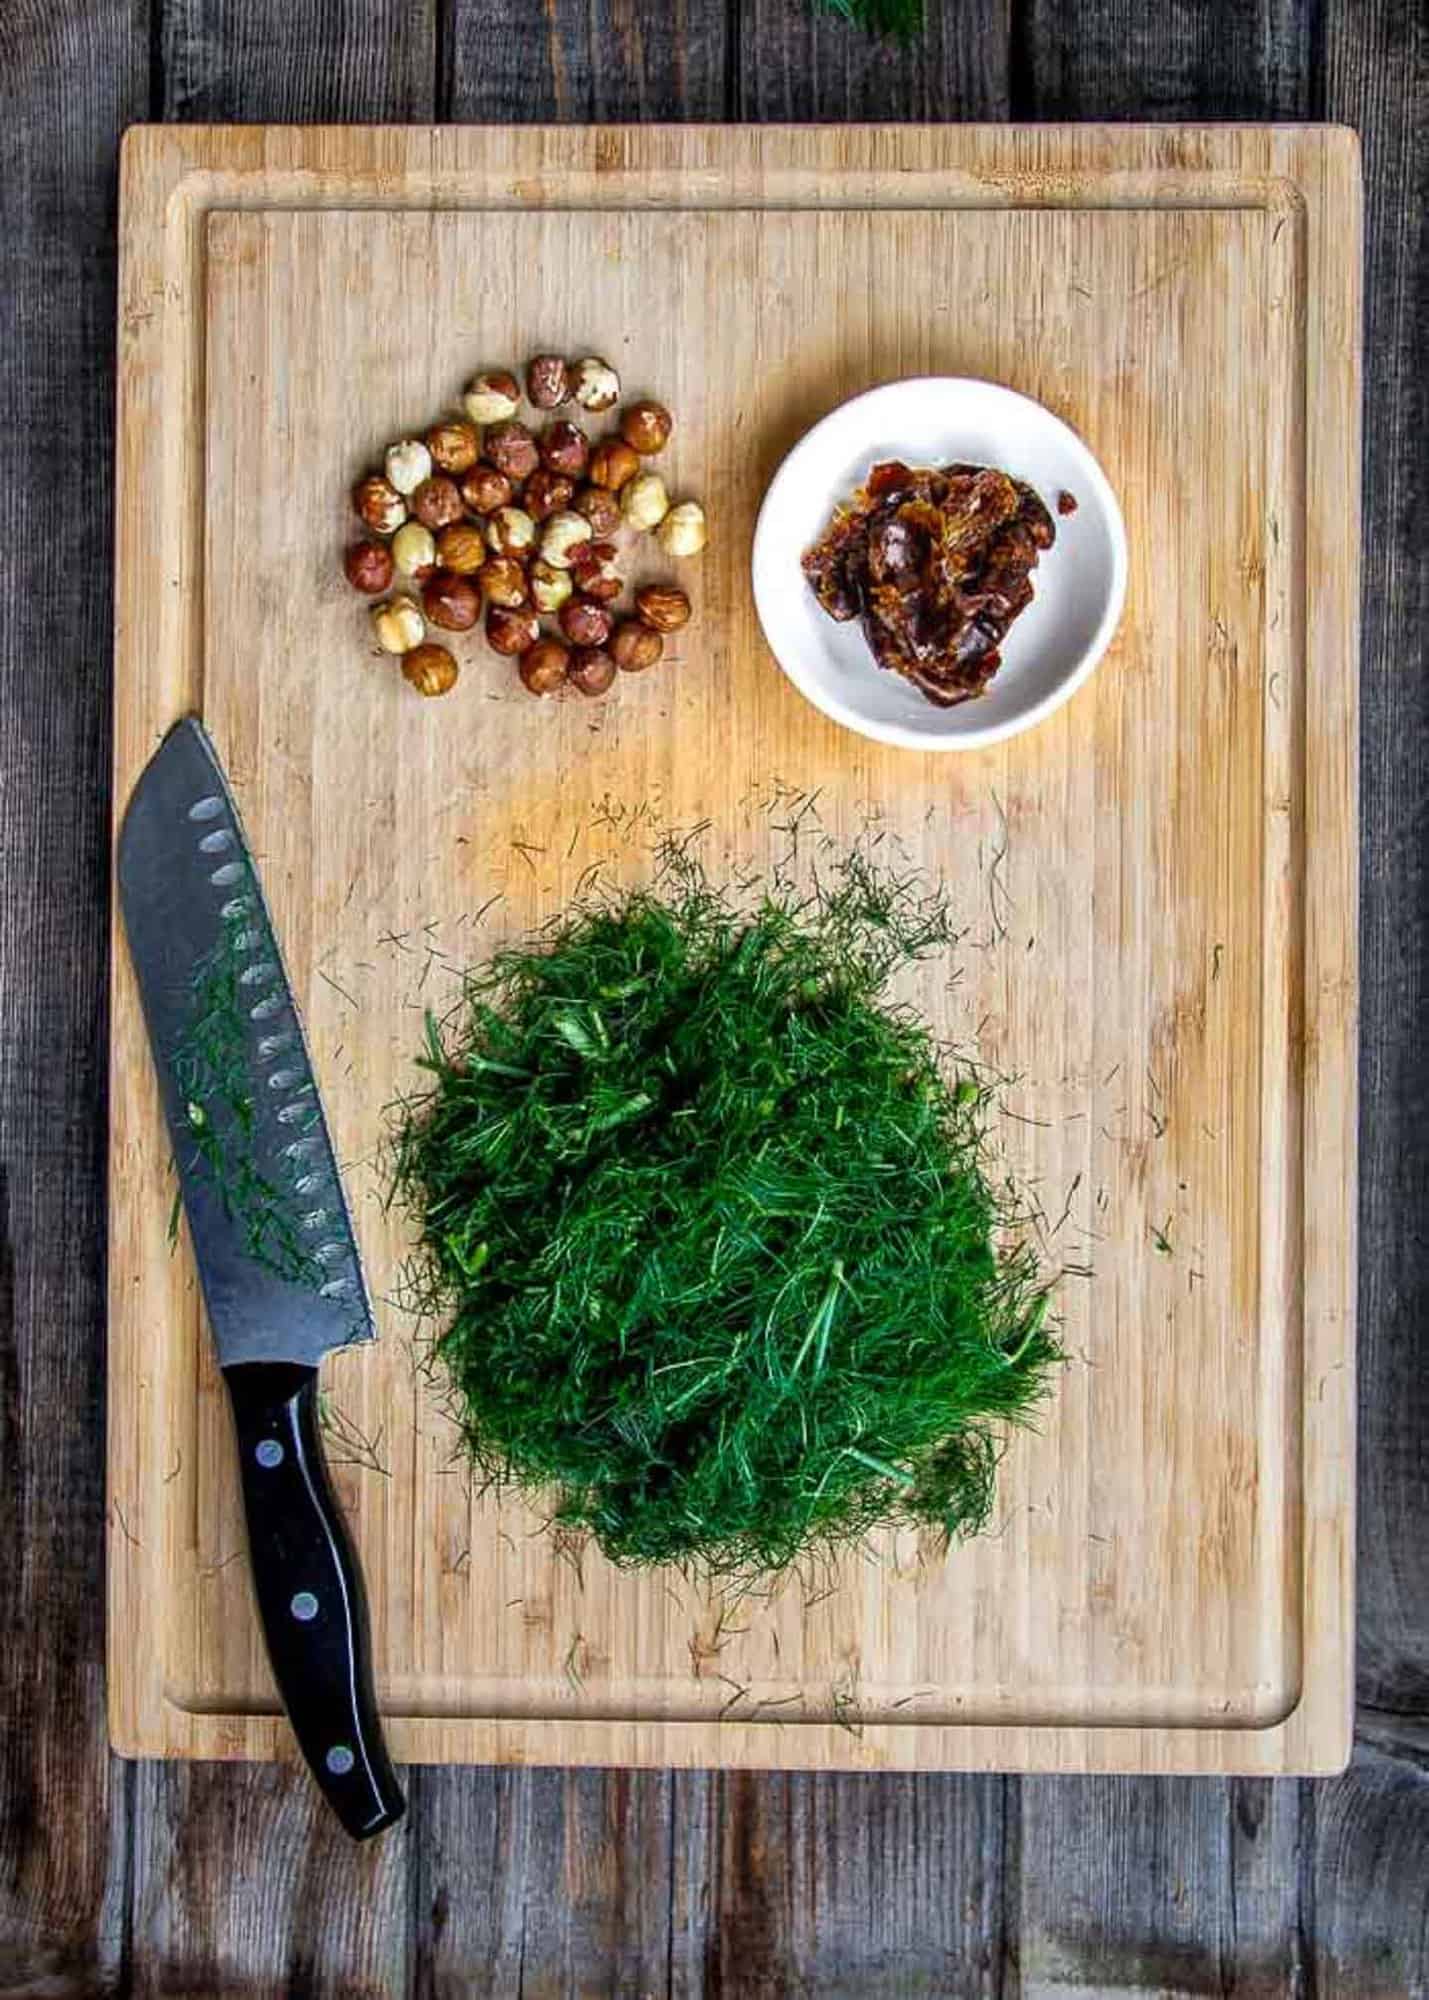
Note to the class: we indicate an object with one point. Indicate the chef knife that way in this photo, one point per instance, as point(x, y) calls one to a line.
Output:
point(272, 1236)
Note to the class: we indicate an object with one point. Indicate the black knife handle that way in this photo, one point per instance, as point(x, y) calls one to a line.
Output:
point(310, 1594)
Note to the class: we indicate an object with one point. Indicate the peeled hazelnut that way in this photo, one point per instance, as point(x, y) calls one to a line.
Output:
point(548, 382)
point(635, 646)
point(663, 606)
point(600, 508)
point(430, 669)
point(549, 587)
point(503, 581)
point(546, 493)
point(436, 502)
point(398, 625)
point(485, 489)
point(512, 450)
point(408, 464)
point(454, 445)
point(511, 632)
point(492, 397)
point(414, 550)
point(543, 669)
point(584, 622)
point(646, 427)
point(644, 502)
point(368, 566)
point(563, 535)
point(451, 602)
point(612, 463)
point(462, 548)
point(565, 448)
point(510, 530)
point(593, 566)
point(596, 385)
point(591, 670)
point(684, 530)
point(379, 503)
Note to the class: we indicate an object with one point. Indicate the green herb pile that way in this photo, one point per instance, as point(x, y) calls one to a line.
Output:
point(720, 1270)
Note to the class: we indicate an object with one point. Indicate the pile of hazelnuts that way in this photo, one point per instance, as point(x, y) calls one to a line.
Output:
point(484, 515)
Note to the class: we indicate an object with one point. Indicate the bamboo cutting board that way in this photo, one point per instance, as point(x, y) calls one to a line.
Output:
point(1159, 888)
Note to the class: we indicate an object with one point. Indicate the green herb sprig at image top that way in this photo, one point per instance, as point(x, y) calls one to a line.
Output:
point(708, 1228)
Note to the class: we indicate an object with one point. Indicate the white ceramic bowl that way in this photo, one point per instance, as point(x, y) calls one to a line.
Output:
point(1079, 584)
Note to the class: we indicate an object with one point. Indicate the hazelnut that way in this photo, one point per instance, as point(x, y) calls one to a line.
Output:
point(454, 445)
point(646, 427)
point(398, 625)
point(549, 587)
point(408, 464)
point(612, 463)
point(543, 669)
point(644, 502)
point(596, 386)
point(663, 606)
point(485, 489)
point(600, 508)
point(584, 622)
point(414, 550)
point(509, 531)
point(461, 547)
point(684, 530)
point(563, 535)
point(548, 382)
point(492, 397)
point(593, 566)
point(511, 632)
point(368, 566)
point(379, 504)
point(565, 448)
point(436, 502)
point(430, 669)
point(546, 493)
point(591, 670)
point(451, 602)
point(512, 450)
point(635, 646)
point(503, 581)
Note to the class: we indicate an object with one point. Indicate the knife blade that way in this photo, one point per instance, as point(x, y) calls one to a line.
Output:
point(272, 1237)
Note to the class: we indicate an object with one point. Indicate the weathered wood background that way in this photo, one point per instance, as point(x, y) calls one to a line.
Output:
point(208, 1881)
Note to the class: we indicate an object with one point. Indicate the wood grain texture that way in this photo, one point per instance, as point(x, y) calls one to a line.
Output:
point(794, 63)
point(248, 61)
point(610, 61)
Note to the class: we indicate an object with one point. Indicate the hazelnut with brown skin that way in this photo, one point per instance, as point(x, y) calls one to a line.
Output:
point(436, 502)
point(595, 384)
point(511, 632)
point(492, 397)
point(398, 625)
point(600, 508)
point(503, 581)
point(408, 464)
point(663, 606)
point(593, 566)
point(368, 566)
point(414, 550)
point(565, 448)
point(548, 382)
point(484, 489)
point(454, 445)
point(462, 548)
point(512, 450)
point(635, 646)
point(430, 669)
point(451, 602)
point(592, 670)
point(546, 493)
point(584, 622)
point(644, 503)
point(563, 535)
point(550, 587)
point(510, 531)
point(543, 670)
point(379, 504)
point(612, 463)
point(646, 427)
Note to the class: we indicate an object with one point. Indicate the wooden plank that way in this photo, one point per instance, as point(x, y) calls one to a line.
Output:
point(796, 62)
point(72, 86)
point(608, 62)
point(1122, 60)
point(249, 61)
point(1370, 1888)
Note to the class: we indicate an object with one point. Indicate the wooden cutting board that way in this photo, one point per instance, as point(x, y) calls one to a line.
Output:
point(1158, 884)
